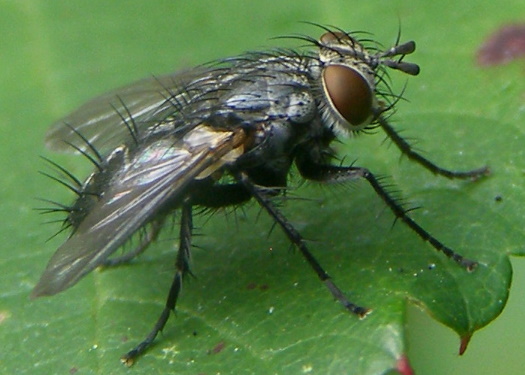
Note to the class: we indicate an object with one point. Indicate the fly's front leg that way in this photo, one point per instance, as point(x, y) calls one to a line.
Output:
point(182, 269)
point(407, 150)
point(329, 173)
point(296, 238)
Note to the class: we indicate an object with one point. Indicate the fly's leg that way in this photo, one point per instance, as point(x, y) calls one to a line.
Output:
point(328, 173)
point(296, 238)
point(407, 150)
point(151, 235)
point(182, 269)
point(215, 196)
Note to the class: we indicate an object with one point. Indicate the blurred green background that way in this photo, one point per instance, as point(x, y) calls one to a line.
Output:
point(56, 54)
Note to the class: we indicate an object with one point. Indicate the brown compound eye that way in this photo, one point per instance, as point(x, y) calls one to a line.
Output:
point(349, 93)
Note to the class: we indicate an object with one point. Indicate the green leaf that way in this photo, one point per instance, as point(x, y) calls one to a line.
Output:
point(256, 307)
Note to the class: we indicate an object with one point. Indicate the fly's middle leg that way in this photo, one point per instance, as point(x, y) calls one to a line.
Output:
point(295, 237)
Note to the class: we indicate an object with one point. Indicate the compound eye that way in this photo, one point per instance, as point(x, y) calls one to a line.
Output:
point(350, 93)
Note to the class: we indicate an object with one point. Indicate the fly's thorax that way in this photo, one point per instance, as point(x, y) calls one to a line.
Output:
point(263, 88)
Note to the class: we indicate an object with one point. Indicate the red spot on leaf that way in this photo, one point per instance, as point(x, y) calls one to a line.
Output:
point(217, 348)
point(403, 366)
point(503, 46)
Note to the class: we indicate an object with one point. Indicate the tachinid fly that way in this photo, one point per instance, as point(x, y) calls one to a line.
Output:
point(217, 136)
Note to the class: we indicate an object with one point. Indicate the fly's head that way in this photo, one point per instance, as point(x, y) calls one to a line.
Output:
point(350, 74)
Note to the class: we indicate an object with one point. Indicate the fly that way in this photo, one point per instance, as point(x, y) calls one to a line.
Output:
point(218, 136)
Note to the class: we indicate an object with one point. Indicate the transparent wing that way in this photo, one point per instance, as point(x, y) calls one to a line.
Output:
point(102, 120)
point(154, 176)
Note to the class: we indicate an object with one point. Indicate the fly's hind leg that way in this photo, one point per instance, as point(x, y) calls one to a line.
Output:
point(182, 269)
point(151, 234)
point(214, 196)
